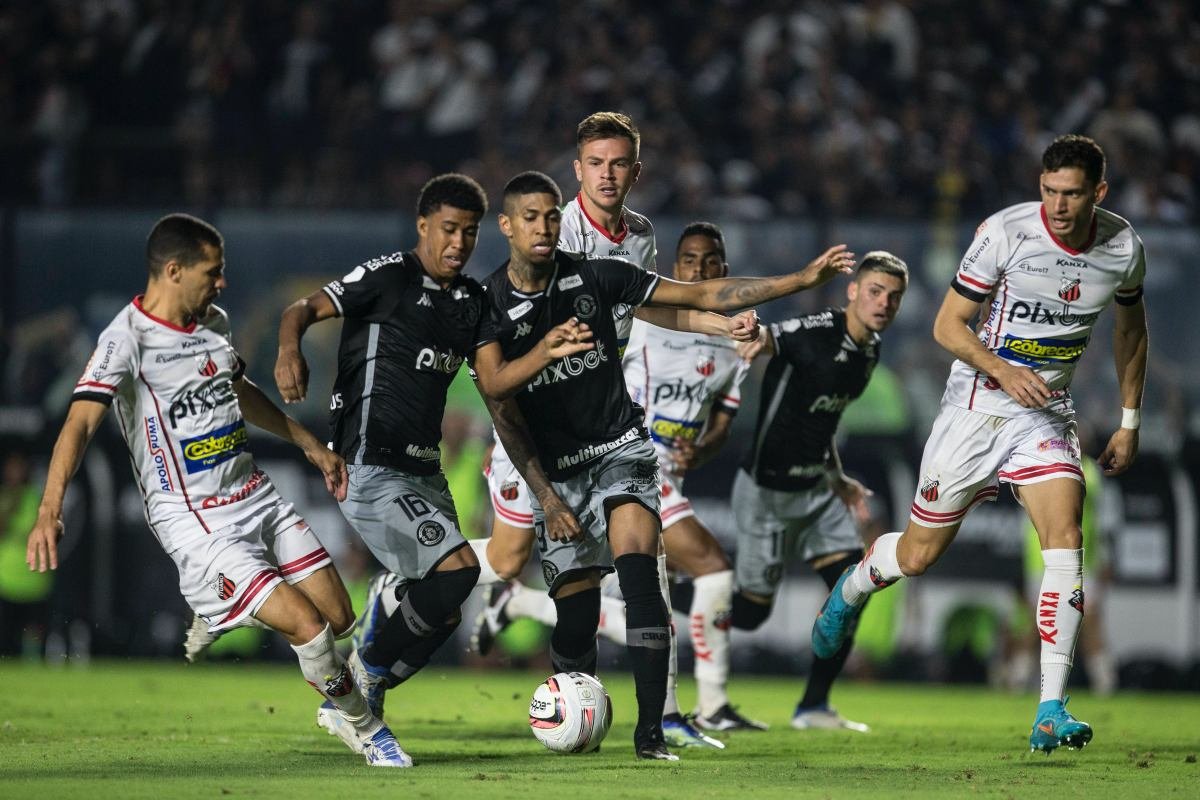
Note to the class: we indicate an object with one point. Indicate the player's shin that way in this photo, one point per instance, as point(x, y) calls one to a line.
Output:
point(327, 672)
point(709, 621)
point(1059, 614)
point(878, 570)
point(426, 607)
point(671, 704)
point(648, 639)
point(573, 643)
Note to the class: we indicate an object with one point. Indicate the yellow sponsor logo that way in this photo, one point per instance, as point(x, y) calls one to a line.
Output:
point(663, 428)
point(1054, 352)
point(216, 445)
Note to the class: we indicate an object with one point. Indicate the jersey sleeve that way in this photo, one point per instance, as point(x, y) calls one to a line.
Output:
point(1130, 290)
point(980, 267)
point(220, 325)
point(790, 341)
point(488, 330)
point(622, 282)
point(365, 291)
point(111, 366)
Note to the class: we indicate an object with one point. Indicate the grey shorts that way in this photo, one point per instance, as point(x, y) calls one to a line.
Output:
point(408, 521)
point(630, 471)
point(774, 527)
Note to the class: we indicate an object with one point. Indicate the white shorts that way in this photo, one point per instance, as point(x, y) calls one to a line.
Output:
point(673, 504)
point(227, 575)
point(969, 453)
point(510, 495)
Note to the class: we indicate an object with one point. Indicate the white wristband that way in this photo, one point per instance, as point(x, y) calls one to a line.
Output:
point(1131, 418)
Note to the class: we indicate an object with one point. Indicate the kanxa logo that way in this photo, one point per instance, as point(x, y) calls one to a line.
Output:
point(1048, 617)
point(1069, 291)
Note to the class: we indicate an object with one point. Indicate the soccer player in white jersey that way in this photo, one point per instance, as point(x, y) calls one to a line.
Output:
point(1047, 270)
point(166, 363)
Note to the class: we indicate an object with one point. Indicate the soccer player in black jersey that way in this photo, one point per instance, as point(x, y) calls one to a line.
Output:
point(791, 496)
point(589, 436)
point(410, 320)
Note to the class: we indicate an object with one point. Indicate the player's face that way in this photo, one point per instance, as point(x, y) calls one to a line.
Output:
point(875, 299)
point(1069, 199)
point(699, 258)
point(446, 239)
point(200, 283)
point(607, 170)
point(531, 223)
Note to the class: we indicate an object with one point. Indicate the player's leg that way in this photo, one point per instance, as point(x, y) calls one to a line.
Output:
point(577, 605)
point(504, 554)
point(1056, 508)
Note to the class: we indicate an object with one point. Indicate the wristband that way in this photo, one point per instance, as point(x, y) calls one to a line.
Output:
point(1131, 418)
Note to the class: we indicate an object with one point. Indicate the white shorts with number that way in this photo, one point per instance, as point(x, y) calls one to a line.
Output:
point(226, 575)
point(673, 504)
point(969, 453)
point(510, 495)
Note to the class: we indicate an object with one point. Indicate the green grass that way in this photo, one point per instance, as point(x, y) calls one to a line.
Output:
point(131, 729)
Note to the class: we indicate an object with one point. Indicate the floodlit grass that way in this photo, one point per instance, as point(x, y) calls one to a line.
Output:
point(134, 729)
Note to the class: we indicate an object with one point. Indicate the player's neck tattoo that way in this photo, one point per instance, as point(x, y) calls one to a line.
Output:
point(525, 277)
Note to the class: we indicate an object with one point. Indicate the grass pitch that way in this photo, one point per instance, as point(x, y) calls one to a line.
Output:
point(131, 730)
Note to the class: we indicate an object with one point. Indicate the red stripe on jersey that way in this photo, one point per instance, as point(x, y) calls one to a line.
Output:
point(137, 303)
point(675, 511)
point(1000, 321)
point(984, 286)
point(1041, 471)
point(170, 449)
point(621, 234)
point(515, 517)
point(974, 386)
point(1091, 235)
point(97, 385)
point(259, 582)
point(304, 562)
point(951, 516)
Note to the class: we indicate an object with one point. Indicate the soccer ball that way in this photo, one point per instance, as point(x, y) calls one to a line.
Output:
point(570, 713)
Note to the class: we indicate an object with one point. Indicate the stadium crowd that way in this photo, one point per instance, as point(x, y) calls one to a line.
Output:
point(749, 109)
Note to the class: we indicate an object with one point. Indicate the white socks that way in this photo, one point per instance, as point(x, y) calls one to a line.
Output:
point(708, 621)
point(878, 570)
point(325, 670)
point(671, 706)
point(1059, 614)
point(487, 575)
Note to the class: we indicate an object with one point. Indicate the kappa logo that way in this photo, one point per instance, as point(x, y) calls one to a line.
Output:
point(1069, 291)
point(524, 329)
point(207, 367)
point(225, 587)
point(929, 489)
point(841, 357)
point(425, 301)
point(706, 365)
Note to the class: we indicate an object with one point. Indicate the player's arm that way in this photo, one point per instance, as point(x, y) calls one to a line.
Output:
point(764, 345)
point(952, 330)
point(291, 370)
point(1130, 347)
point(513, 431)
point(850, 491)
point(500, 379)
point(742, 328)
point(83, 418)
point(730, 294)
point(259, 410)
point(690, 455)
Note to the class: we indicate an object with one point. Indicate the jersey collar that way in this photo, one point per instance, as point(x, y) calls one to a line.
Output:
point(621, 233)
point(137, 303)
point(1071, 250)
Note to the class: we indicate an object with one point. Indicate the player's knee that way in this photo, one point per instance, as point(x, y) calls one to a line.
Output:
point(915, 563)
point(341, 621)
point(747, 614)
point(509, 563)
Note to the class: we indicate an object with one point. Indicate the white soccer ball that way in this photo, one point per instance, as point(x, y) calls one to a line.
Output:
point(570, 713)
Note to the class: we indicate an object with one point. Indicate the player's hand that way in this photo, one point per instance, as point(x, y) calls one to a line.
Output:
point(748, 351)
point(561, 524)
point(1024, 385)
point(333, 468)
point(567, 339)
point(835, 261)
point(854, 495)
point(683, 456)
point(1122, 449)
point(41, 550)
point(744, 327)
point(291, 376)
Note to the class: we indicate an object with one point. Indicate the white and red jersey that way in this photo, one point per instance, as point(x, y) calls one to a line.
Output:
point(172, 389)
point(1045, 299)
point(678, 377)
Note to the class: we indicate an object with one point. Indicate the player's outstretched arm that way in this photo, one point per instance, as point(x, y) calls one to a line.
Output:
point(513, 431)
point(259, 410)
point(83, 418)
point(1131, 343)
point(291, 370)
point(730, 294)
point(500, 379)
point(741, 328)
point(951, 329)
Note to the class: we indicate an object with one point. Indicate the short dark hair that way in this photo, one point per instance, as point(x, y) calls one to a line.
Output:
point(182, 238)
point(531, 182)
point(882, 261)
point(608, 125)
point(708, 229)
point(452, 189)
point(1074, 150)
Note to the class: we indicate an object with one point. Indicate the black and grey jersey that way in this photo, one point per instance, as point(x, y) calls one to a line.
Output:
point(403, 339)
point(816, 372)
point(577, 408)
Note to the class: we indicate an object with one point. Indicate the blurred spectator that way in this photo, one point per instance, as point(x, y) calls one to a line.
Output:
point(23, 594)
